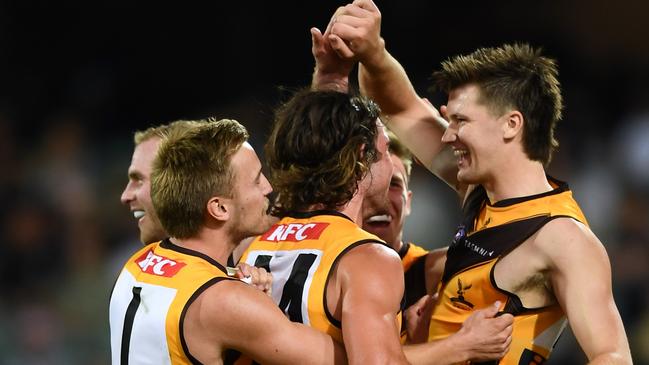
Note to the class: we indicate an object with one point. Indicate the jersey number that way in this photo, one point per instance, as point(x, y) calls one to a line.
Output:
point(128, 324)
point(292, 293)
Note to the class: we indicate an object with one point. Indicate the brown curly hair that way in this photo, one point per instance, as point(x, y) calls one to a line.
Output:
point(321, 146)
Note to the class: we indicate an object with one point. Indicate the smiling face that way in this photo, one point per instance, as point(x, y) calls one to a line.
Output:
point(137, 194)
point(388, 223)
point(475, 134)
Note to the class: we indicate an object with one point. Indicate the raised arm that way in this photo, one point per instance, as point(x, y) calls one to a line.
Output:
point(233, 315)
point(331, 72)
point(581, 279)
point(355, 34)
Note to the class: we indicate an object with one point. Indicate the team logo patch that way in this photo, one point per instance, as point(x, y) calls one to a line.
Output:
point(460, 301)
point(153, 264)
point(294, 232)
point(460, 235)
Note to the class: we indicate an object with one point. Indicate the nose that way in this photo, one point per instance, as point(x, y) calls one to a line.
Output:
point(267, 187)
point(450, 134)
point(127, 195)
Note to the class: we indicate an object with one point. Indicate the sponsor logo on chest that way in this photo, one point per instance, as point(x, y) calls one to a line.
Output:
point(153, 264)
point(294, 232)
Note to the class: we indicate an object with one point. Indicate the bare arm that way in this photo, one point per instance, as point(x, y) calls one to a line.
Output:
point(581, 280)
point(435, 263)
point(236, 316)
point(482, 337)
point(370, 280)
point(356, 35)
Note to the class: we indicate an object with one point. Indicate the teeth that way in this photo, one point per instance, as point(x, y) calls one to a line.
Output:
point(138, 214)
point(460, 153)
point(380, 218)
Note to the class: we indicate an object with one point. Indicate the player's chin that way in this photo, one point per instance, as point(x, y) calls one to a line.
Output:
point(265, 223)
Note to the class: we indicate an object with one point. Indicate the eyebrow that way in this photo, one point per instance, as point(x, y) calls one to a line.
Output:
point(458, 116)
point(135, 175)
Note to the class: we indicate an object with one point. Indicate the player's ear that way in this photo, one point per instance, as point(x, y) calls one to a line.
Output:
point(218, 208)
point(513, 124)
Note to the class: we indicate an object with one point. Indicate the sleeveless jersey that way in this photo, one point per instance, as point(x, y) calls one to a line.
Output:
point(300, 251)
point(149, 301)
point(413, 259)
point(488, 233)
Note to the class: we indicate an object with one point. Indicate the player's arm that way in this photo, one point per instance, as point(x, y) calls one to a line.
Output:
point(356, 35)
point(581, 280)
point(483, 337)
point(242, 318)
point(435, 263)
point(331, 72)
point(369, 279)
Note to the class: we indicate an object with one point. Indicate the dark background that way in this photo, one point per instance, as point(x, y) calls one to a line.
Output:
point(77, 78)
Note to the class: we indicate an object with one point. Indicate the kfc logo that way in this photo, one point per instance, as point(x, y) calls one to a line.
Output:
point(294, 232)
point(153, 264)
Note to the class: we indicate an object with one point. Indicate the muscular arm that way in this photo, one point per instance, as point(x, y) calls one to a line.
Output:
point(581, 280)
point(235, 316)
point(369, 279)
point(356, 34)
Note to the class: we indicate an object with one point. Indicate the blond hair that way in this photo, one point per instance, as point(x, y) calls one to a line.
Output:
point(192, 166)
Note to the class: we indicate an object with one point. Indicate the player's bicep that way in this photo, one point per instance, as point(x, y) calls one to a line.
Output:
point(372, 289)
point(581, 280)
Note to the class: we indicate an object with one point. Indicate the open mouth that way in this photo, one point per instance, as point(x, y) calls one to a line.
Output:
point(383, 220)
point(138, 214)
point(461, 156)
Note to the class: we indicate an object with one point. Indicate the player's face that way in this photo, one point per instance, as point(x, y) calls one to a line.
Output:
point(388, 225)
point(249, 194)
point(137, 194)
point(475, 135)
point(378, 178)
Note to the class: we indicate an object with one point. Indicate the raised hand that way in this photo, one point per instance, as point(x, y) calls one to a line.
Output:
point(356, 32)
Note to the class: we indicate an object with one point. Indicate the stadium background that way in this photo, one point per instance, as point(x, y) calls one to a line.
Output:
point(78, 78)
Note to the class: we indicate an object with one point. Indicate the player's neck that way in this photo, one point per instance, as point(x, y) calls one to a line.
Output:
point(210, 243)
point(517, 180)
point(354, 209)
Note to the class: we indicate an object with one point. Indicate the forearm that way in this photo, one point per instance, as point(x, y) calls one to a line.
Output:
point(417, 123)
point(386, 82)
point(329, 81)
point(444, 352)
point(612, 358)
point(315, 347)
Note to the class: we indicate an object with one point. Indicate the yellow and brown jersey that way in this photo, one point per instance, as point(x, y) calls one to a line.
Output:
point(413, 259)
point(149, 301)
point(489, 232)
point(301, 251)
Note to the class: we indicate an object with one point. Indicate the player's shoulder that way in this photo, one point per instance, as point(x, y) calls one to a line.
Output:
point(371, 257)
point(227, 298)
point(565, 235)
